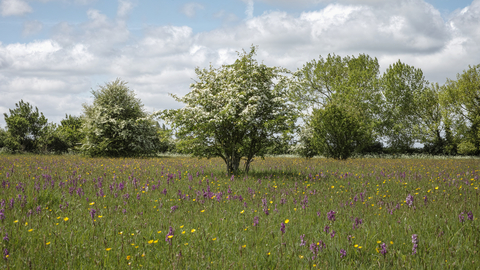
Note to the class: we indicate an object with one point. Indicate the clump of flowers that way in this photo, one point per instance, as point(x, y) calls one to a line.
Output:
point(331, 215)
point(415, 243)
point(343, 253)
point(169, 236)
point(409, 200)
point(383, 250)
point(282, 228)
point(255, 221)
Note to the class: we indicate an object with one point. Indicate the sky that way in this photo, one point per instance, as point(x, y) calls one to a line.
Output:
point(53, 53)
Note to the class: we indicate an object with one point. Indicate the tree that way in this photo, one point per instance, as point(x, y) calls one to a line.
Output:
point(349, 82)
point(116, 123)
point(338, 132)
point(24, 126)
point(233, 112)
point(462, 96)
point(70, 130)
point(402, 90)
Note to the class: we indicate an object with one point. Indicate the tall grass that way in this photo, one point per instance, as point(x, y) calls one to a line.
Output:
point(70, 212)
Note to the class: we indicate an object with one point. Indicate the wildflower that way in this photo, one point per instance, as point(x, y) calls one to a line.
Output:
point(213, 239)
point(425, 200)
point(255, 221)
point(415, 243)
point(92, 213)
point(48, 243)
point(169, 236)
point(302, 241)
point(409, 200)
point(326, 229)
point(461, 217)
point(128, 257)
point(6, 239)
point(192, 231)
point(331, 215)
point(6, 254)
point(108, 249)
point(343, 253)
point(282, 228)
point(384, 249)
point(150, 242)
point(470, 215)
point(65, 219)
point(173, 208)
point(332, 235)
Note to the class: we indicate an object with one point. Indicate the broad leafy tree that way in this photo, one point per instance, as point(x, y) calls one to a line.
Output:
point(24, 125)
point(405, 92)
point(116, 123)
point(350, 83)
point(233, 112)
point(462, 96)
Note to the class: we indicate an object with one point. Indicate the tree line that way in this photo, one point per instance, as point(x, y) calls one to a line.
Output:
point(333, 106)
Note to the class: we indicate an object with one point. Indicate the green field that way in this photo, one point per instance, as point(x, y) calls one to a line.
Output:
point(70, 212)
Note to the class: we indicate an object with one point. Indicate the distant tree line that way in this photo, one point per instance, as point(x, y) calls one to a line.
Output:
point(334, 106)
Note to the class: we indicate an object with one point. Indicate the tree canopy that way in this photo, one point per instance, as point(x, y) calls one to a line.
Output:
point(234, 112)
point(116, 123)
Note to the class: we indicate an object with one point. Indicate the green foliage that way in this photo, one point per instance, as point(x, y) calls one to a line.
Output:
point(462, 97)
point(165, 136)
point(305, 147)
point(350, 82)
point(24, 126)
point(116, 124)
point(234, 111)
point(71, 133)
point(338, 132)
point(405, 93)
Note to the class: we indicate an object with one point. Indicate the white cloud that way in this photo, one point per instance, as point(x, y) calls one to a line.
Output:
point(190, 9)
point(31, 27)
point(124, 8)
point(14, 7)
point(249, 10)
point(226, 17)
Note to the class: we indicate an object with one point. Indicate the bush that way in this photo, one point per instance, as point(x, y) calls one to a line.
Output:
point(338, 132)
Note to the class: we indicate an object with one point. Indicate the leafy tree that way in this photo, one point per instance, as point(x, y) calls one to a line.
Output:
point(165, 136)
point(304, 147)
point(338, 132)
point(24, 126)
point(70, 130)
point(406, 101)
point(462, 96)
point(116, 123)
point(233, 112)
point(349, 82)
point(3, 137)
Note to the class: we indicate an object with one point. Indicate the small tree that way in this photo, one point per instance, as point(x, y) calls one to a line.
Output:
point(338, 132)
point(233, 112)
point(116, 123)
point(24, 126)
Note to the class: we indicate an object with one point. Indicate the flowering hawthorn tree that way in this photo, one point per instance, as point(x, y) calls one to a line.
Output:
point(116, 123)
point(233, 112)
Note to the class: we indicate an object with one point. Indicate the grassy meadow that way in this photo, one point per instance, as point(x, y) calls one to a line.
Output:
point(71, 212)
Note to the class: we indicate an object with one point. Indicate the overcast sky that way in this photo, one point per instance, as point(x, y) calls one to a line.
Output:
point(53, 52)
